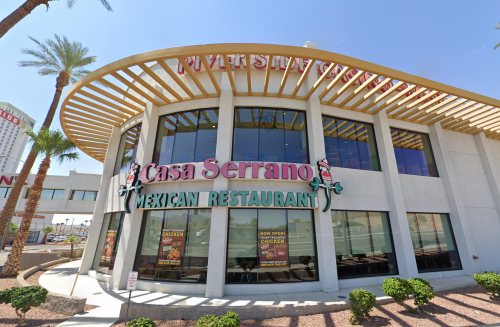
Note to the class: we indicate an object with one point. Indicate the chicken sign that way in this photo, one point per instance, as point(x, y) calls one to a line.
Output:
point(132, 184)
point(326, 182)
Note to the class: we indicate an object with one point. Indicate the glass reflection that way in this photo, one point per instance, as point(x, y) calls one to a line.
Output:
point(363, 244)
point(174, 245)
point(189, 136)
point(270, 246)
point(433, 242)
point(265, 134)
point(413, 153)
point(128, 149)
point(350, 144)
point(111, 242)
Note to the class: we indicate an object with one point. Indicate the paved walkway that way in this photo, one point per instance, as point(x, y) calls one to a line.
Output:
point(61, 279)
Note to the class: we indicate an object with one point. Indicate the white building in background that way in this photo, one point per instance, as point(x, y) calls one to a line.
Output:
point(72, 194)
point(13, 123)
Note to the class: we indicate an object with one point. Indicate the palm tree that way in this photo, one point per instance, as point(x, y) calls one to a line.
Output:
point(80, 231)
point(47, 230)
point(51, 144)
point(64, 230)
point(13, 228)
point(67, 60)
point(72, 240)
point(62, 226)
point(27, 7)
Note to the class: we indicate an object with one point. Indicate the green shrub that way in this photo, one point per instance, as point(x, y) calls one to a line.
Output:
point(490, 281)
point(23, 299)
point(231, 319)
point(423, 292)
point(362, 302)
point(141, 322)
point(397, 288)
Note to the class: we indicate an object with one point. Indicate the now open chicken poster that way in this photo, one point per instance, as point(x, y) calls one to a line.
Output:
point(171, 247)
point(109, 244)
point(273, 248)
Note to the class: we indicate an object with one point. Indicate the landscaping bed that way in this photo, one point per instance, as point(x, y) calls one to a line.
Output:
point(469, 306)
point(36, 316)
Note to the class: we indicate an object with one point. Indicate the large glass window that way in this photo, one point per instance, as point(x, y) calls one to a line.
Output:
point(174, 245)
point(128, 149)
point(84, 195)
point(266, 134)
point(189, 136)
point(4, 192)
point(350, 144)
point(271, 246)
point(47, 194)
point(413, 153)
point(363, 244)
point(433, 241)
point(110, 246)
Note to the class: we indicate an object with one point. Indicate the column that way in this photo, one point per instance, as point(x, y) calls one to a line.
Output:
point(131, 227)
point(216, 271)
point(323, 220)
point(458, 216)
point(67, 191)
point(489, 167)
point(98, 216)
point(405, 253)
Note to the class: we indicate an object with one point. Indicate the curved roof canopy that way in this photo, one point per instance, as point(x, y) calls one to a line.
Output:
point(119, 91)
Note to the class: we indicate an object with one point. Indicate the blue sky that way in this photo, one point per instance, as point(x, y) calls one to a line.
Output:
point(447, 41)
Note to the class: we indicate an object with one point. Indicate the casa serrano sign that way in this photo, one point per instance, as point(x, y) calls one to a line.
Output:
point(152, 173)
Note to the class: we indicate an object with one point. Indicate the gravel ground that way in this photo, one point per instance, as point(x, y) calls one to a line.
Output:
point(461, 307)
point(36, 316)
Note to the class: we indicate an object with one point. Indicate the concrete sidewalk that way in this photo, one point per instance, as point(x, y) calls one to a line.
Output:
point(61, 279)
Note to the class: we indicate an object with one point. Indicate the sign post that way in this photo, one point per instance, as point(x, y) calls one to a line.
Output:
point(131, 284)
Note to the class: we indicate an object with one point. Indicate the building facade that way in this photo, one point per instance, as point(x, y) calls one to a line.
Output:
point(72, 194)
point(254, 169)
point(12, 138)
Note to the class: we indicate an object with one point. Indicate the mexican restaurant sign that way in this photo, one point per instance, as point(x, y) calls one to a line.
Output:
point(299, 65)
point(151, 173)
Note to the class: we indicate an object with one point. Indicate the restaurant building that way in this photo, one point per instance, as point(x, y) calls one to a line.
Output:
point(254, 169)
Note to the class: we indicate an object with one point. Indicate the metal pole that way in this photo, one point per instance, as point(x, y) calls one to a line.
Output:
point(128, 305)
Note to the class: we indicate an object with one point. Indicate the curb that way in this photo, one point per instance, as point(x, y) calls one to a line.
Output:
point(58, 303)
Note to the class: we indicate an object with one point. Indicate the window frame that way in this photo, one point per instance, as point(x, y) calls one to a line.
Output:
point(196, 140)
point(339, 150)
point(392, 244)
point(313, 221)
point(308, 160)
point(121, 150)
point(428, 135)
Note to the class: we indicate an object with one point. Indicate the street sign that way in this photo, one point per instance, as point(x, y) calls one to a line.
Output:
point(132, 280)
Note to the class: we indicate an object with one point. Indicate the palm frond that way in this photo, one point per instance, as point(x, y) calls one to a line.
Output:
point(105, 3)
point(53, 144)
point(59, 54)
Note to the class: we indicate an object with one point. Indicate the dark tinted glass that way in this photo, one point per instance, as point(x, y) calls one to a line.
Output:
point(434, 242)
point(246, 134)
point(295, 136)
point(363, 244)
point(189, 136)
point(110, 246)
point(185, 137)
point(89, 196)
point(174, 245)
point(271, 246)
point(350, 144)
point(413, 153)
point(128, 149)
point(267, 134)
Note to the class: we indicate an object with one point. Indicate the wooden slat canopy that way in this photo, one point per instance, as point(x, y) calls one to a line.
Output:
point(117, 92)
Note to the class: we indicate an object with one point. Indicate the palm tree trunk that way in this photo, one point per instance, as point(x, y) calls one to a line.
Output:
point(6, 240)
point(44, 241)
point(14, 259)
point(10, 204)
point(17, 15)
